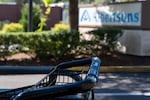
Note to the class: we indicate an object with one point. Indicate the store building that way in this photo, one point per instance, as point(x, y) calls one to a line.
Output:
point(131, 17)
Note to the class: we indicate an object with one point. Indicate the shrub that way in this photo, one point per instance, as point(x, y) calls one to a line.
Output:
point(1, 25)
point(12, 27)
point(54, 44)
point(104, 40)
point(37, 13)
point(60, 27)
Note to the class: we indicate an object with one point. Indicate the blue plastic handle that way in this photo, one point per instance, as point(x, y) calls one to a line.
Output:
point(94, 68)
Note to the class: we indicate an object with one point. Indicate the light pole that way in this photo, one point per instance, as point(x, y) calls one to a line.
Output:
point(30, 21)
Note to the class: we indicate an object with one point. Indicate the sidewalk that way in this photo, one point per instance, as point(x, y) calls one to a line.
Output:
point(15, 81)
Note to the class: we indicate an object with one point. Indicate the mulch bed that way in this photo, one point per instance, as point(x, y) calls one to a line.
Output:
point(114, 59)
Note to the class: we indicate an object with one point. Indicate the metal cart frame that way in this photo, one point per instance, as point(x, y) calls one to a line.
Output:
point(70, 80)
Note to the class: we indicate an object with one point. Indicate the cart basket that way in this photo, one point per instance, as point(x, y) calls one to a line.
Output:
point(77, 77)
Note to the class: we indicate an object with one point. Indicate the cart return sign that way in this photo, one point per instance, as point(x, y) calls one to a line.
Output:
point(111, 15)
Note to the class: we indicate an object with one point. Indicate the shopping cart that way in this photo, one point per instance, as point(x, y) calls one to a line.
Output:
point(73, 80)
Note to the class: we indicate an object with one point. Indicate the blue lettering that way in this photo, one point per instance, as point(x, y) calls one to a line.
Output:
point(123, 17)
point(130, 17)
point(95, 17)
point(110, 18)
point(106, 18)
point(101, 16)
point(85, 17)
point(118, 18)
point(136, 17)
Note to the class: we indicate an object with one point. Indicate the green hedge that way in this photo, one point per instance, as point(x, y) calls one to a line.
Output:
point(59, 43)
point(43, 44)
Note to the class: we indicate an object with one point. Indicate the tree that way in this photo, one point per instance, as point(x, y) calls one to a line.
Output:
point(73, 14)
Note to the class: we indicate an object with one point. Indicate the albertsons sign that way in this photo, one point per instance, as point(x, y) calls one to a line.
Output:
point(119, 14)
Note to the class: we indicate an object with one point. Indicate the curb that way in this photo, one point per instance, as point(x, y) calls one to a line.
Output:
point(125, 69)
point(45, 70)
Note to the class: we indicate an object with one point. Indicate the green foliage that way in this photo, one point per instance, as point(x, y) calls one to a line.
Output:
point(60, 43)
point(47, 2)
point(102, 41)
point(57, 44)
point(60, 27)
point(12, 27)
point(43, 18)
point(42, 23)
point(37, 14)
point(44, 44)
point(1, 25)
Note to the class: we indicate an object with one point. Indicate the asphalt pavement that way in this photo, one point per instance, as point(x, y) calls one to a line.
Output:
point(123, 86)
point(111, 86)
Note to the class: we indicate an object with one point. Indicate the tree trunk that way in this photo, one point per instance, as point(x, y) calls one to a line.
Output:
point(73, 14)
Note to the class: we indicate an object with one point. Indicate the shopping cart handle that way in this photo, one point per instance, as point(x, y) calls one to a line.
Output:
point(81, 86)
point(69, 64)
point(94, 68)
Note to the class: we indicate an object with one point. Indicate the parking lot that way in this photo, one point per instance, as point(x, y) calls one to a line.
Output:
point(123, 86)
point(111, 86)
